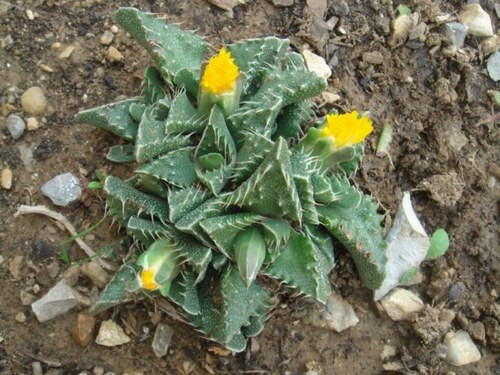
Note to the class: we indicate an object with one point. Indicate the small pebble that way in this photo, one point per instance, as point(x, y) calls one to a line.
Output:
point(282, 3)
point(16, 126)
point(15, 266)
point(6, 179)
point(63, 189)
point(478, 21)
point(338, 315)
point(113, 55)
point(114, 29)
point(375, 58)
point(161, 340)
point(21, 317)
point(387, 352)
point(110, 334)
point(33, 101)
point(316, 64)
point(461, 350)
point(26, 153)
point(37, 368)
point(402, 304)
point(478, 331)
point(46, 68)
point(26, 298)
point(83, 331)
point(106, 38)
point(456, 290)
point(55, 46)
point(66, 53)
point(95, 273)
point(30, 14)
point(493, 66)
point(32, 123)
point(455, 32)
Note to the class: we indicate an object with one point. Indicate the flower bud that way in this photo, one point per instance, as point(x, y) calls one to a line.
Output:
point(250, 252)
point(160, 265)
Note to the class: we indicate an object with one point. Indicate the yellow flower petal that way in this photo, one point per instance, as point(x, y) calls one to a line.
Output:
point(220, 74)
point(148, 279)
point(347, 129)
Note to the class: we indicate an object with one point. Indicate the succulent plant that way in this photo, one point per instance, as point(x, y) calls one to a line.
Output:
point(234, 183)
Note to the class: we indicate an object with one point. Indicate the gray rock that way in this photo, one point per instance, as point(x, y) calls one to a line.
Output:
point(110, 334)
point(497, 9)
point(59, 300)
point(5, 6)
point(26, 152)
point(455, 32)
point(461, 350)
point(63, 189)
point(339, 8)
point(493, 66)
point(16, 126)
point(161, 340)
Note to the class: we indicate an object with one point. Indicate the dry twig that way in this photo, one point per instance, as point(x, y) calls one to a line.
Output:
point(42, 210)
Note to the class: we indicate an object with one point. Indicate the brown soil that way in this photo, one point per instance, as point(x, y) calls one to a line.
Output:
point(445, 150)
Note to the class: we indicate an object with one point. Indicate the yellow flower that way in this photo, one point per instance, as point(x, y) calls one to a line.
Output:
point(148, 279)
point(347, 129)
point(220, 74)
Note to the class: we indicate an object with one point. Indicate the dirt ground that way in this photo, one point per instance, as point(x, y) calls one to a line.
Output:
point(445, 150)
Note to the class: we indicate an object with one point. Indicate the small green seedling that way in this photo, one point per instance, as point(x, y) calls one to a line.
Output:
point(440, 242)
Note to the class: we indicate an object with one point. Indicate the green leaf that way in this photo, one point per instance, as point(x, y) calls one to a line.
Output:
point(114, 118)
point(171, 48)
point(358, 228)
point(440, 242)
point(152, 141)
point(175, 167)
point(117, 290)
point(298, 265)
point(222, 230)
point(403, 10)
point(270, 190)
point(128, 196)
point(121, 154)
point(184, 292)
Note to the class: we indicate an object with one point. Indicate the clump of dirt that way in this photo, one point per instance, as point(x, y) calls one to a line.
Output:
point(444, 149)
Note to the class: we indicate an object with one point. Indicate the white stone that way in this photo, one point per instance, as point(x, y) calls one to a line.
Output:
point(32, 123)
point(402, 304)
point(461, 350)
point(59, 300)
point(63, 189)
point(408, 245)
point(6, 179)
point(316, 64)
point(161, 340)
point(110, 334)
point(338, 315)
point(33, 101)
point(478, 21)
point(493, 66)
point(107, 37)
